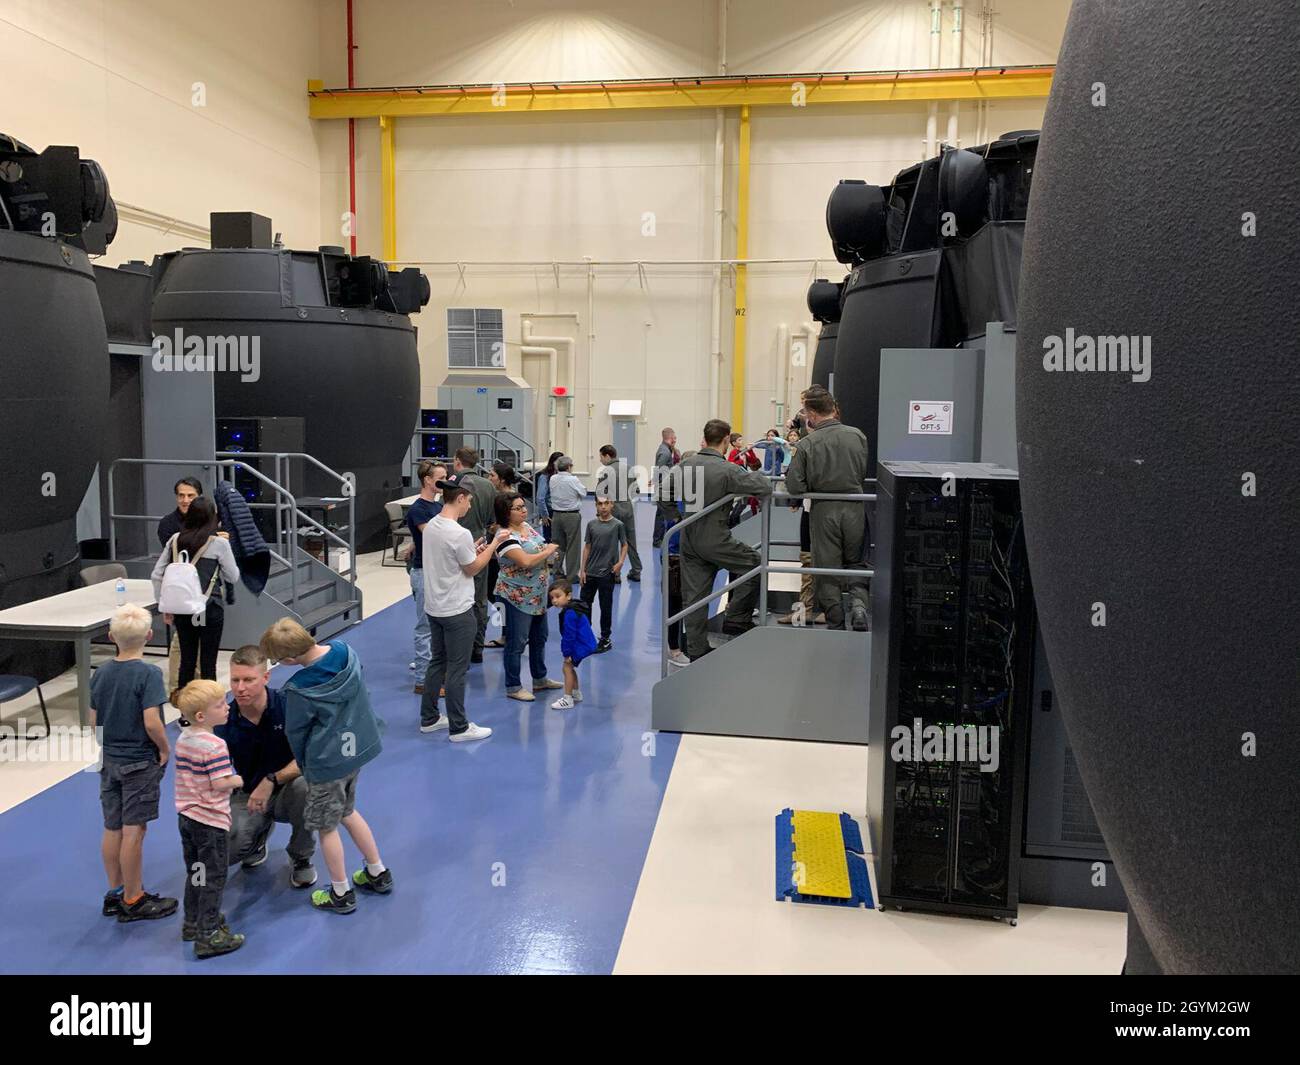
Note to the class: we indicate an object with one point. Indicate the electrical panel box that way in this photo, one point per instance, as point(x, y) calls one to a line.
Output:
point(508, 410)
point(929, 404)
point(952, 647)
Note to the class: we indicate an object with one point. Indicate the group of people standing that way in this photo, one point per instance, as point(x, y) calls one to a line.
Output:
point(475, 544)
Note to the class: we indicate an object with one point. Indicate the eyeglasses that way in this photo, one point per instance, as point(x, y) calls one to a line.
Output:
point(520, 506)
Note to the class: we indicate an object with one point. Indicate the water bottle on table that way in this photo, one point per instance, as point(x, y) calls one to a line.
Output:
point(119, 590)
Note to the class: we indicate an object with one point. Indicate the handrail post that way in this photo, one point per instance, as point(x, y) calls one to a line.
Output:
point(663, 643)
point(112, 518)
point(765, 538)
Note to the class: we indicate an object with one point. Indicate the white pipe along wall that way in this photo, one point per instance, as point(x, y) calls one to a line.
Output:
point(548, 345)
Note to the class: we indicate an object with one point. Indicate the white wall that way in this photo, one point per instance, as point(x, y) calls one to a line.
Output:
point(116, 78)
point(547, 186)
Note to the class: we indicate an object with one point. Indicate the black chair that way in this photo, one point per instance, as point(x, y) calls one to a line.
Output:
point(13, 686)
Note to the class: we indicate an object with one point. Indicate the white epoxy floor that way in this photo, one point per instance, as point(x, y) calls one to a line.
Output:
point(705, 903)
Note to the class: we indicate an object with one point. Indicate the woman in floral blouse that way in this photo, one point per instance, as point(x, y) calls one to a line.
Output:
point(521, 586)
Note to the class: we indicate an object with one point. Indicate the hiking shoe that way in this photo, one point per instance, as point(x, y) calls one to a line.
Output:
point(256, 858)
point(380, 885)
point(474, 732)
point(112, 903)
point(303, 874)
point(190, 932)
point(325, 899)
point(564, 702)
point(437, 726)
point(547, 685)
point(147, 908)
point(522, 695)
point(222, 941)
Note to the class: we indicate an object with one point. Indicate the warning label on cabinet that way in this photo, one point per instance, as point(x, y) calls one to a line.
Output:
point(929, 417)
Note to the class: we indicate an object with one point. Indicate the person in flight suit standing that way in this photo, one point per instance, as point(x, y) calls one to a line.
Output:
point(833, 458)
point(708, 546)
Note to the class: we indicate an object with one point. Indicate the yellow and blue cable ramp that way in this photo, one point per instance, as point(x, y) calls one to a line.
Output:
point(819, 858)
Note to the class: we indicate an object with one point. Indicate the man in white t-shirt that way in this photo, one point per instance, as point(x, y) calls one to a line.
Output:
point(451, 559)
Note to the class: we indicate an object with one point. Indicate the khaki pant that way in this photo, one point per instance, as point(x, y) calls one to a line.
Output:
point(174, 663)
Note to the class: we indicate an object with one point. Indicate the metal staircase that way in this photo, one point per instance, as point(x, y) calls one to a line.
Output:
point(323, 600)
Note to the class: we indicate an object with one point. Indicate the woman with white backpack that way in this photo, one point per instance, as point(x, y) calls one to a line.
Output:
point(187, 581)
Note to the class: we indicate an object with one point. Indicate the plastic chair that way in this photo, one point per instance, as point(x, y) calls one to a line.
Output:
point(397, 531)
point(13, 686)
point(109, 571)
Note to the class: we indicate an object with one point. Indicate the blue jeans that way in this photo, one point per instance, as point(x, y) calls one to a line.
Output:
point(421, 622)
point(524, 628)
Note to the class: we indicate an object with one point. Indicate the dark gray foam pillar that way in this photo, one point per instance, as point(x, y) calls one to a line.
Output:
point(1137, 495)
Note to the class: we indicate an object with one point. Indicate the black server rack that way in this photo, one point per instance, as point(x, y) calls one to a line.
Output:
point(255, 434)
point(440, 445)
point(952, 648)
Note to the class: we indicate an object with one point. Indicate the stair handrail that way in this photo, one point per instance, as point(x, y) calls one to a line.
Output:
point(765, 565)
point(203, 464)
point(476, 433)
point(349, 492)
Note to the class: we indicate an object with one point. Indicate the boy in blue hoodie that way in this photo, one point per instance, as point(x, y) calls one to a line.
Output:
point(577, 641)
point(332, 732)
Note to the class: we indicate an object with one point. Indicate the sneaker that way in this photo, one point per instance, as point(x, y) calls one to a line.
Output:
point(476, 659)
point(256, 858)
point(418, 689)
point(604, 646)
point(412, 666)
point(564, 702)
point(547, 685)
point(325, 899)
point(147, 908)
point(222, 941)
point(190, 933)
point(112, 903)
point(634, 577)
point(576, 695)
point(618, 578)
point(304, 873)
point(522, 695)
point(679, 657)
point(380, 885)
point(474, 732)
point(859, 619)
point(437, 726)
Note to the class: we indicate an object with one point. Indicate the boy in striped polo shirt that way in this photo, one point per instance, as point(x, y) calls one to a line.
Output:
point(204, 781)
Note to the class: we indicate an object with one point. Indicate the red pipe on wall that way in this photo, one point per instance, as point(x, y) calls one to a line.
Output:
point(352, 146)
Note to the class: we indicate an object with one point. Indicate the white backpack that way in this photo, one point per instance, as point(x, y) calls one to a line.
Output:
point(181, 593)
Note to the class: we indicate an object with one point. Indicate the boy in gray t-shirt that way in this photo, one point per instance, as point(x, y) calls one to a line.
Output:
point(604, 550)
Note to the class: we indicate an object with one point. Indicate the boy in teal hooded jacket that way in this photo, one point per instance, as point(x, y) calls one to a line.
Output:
point(332, 732)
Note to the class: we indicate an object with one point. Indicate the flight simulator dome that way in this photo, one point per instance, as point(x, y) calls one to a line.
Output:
point(314, 335)
point(54, 207)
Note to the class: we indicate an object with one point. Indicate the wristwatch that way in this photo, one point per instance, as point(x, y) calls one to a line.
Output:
point(271, 777)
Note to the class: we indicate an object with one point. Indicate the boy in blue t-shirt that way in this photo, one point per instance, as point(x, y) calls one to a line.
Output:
point(126, 699)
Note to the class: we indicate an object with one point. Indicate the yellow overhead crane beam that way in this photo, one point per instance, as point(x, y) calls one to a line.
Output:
point(984, 83)
point(798, 90)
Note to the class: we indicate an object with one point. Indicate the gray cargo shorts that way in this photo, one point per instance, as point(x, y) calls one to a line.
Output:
point(329, 802)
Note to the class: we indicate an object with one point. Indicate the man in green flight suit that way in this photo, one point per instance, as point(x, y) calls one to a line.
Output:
point(708, 546)
point(833, 458)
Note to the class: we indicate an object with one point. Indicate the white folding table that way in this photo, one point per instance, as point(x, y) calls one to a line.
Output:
point(77, 616)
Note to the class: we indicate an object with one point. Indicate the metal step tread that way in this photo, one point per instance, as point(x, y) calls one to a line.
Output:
point(328, 611)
